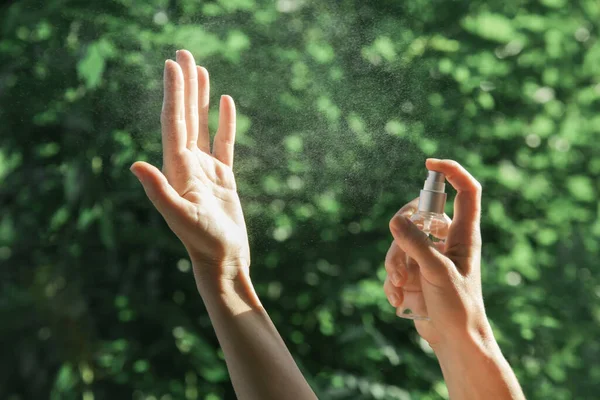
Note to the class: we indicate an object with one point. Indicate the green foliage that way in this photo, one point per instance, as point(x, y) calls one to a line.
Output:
point(340, 103)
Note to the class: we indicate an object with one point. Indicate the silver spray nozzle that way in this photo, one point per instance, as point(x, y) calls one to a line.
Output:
point(433, 197)
point(436, 182)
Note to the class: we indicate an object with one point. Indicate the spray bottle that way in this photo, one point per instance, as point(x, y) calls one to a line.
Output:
point(430, 219)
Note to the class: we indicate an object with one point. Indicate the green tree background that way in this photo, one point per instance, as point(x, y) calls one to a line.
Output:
point(340, 102)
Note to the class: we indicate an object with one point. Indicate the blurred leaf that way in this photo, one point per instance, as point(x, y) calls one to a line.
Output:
point(490, 26)
point(91, 67)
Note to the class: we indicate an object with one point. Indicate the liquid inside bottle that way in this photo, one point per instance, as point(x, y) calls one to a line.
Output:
point(435, 226)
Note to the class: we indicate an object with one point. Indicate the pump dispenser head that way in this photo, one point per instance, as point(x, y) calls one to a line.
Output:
point(433, 196)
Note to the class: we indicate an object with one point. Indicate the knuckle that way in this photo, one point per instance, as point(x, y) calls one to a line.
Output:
point(458, 251)
point(166, 114)
point(387, 286)
point(169, 117)
point(389, 263)
point(453, 164)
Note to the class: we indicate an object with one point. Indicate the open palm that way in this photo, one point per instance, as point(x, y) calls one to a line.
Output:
point(196, 191)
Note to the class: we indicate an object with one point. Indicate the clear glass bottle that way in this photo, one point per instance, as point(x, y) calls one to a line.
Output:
point(430, 219)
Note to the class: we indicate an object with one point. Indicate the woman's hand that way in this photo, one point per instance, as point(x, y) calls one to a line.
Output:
point(196, 190)
point(196, 195)
point(458, 329)
point(450, 279)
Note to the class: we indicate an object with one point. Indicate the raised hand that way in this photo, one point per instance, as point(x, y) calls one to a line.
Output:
point(196, 190)
point(449, 277)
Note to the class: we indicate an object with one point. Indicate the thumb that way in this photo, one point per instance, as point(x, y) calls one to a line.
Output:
point(436, 267)
point(162, 195)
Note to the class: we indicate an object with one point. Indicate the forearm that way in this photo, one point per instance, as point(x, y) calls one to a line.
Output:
point(474, 368)
point(259, 363)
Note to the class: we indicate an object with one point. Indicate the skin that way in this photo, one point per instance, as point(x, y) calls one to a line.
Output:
point(450, 278)
point(196, 194)
point(196, 190)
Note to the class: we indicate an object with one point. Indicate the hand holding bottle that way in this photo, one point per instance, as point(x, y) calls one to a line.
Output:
point(440, 280)
point(447, 276)
point(431, 220)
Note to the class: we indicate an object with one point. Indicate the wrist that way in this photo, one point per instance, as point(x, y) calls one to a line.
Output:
point(217, 270)
point(474, 367)
point(231, 285)
point(475, 343)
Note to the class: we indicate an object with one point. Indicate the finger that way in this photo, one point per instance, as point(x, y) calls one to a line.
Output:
point(190, 79)
point(464, 231)
point(225, 137)
point(395, 265)
point(165, 199)
point(409, 208)
point(203, 103)
point(394, 295)
point(435, 267)
point(172, 116)
point(403, 271)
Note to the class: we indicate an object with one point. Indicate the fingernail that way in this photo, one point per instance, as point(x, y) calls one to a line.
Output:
point(403, 311)
point(395, 278)
point(394, 300)
point(408, 212)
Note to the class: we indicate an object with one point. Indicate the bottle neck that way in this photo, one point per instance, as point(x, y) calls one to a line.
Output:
point(430, 201)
